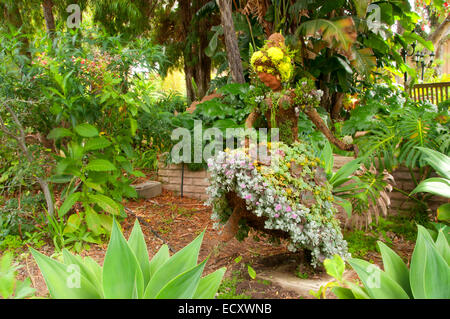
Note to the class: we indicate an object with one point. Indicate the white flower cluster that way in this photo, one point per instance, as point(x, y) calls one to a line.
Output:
point(234, 171)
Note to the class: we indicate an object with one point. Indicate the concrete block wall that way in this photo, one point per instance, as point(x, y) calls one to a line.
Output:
point(194, 183)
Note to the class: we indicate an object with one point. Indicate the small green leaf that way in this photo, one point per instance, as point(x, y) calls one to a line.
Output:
point(251, 272)
point(443, 213)
point(100, 165)
point(335, 267)
point(58, 133)
point(68, 203)
point(96, 143)
point(73, 223)
point(343, 293)
point(86, 130)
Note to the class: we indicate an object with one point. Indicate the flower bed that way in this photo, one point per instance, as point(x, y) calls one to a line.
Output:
point(287, 190)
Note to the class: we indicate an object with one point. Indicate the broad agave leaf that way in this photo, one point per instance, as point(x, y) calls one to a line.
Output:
point(127, 272)
point(208, 285)
point(183, 260)
point(395, 267)
point(376, 282)
point(122, 275)
point(429, 272)
point(60, 282)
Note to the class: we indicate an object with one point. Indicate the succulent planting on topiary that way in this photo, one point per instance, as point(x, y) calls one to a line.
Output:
point(288, 189)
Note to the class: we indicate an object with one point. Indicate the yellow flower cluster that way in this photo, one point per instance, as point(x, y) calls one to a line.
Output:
point(275, 54)
point(280, 62)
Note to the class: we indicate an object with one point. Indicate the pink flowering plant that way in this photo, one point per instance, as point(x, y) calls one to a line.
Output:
point(291, 192)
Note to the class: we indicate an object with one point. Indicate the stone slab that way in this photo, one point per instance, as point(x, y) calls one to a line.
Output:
point(148, 189)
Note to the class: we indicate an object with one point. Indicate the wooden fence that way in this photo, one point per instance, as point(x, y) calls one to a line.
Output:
point(433, 92)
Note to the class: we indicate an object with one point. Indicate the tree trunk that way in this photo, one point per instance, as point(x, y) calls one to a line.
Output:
point(231, 43)
point(440, 31)
point(48, 16)
point(197, 65)
point(337, 105)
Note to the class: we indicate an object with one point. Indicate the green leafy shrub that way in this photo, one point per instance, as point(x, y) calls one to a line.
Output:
point(127, 272)
point(428, 276)
point(395, 126)
point(17, 218)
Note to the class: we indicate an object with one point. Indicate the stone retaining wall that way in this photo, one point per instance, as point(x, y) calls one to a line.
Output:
point(196, 182)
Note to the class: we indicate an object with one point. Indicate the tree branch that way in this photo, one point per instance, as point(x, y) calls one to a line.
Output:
point(23, 146)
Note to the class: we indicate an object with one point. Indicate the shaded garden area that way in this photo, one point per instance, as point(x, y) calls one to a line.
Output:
point(302, 149)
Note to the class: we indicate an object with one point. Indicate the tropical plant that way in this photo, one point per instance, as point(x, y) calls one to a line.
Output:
point(428, 276)
point(127, 272)
point(357, 189)
point(395, 125)
point(10, 287)
point(437, 185)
